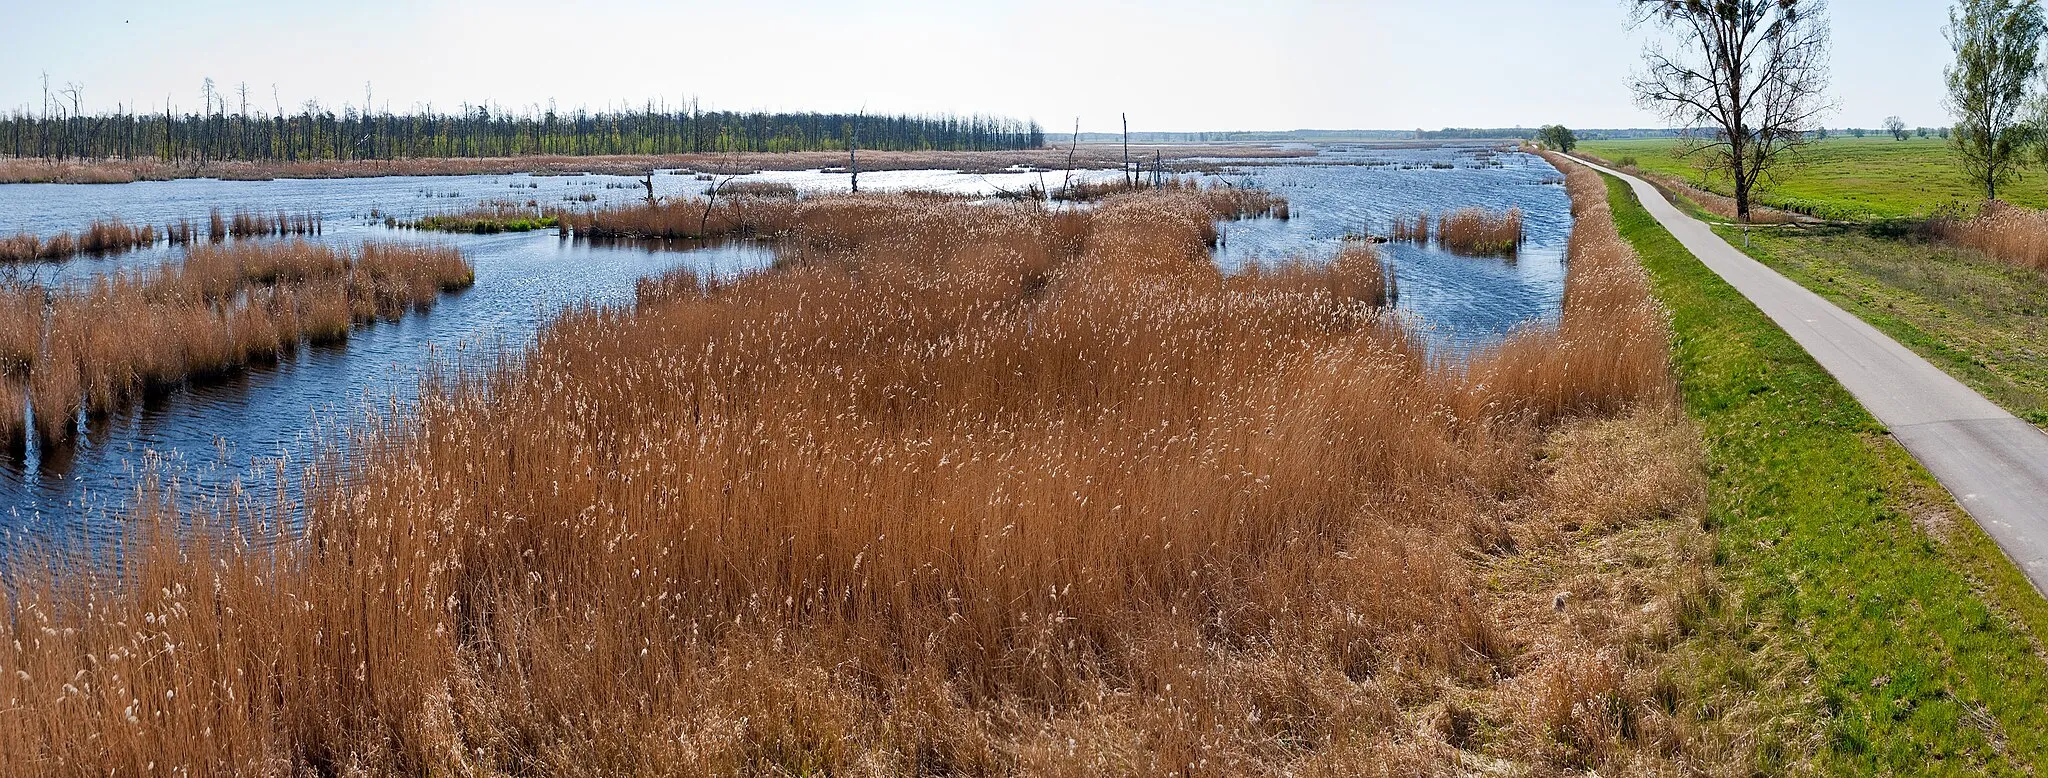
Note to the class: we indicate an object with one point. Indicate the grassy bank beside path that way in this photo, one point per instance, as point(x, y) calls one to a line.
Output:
point(1841, 178)
point(1920, 645)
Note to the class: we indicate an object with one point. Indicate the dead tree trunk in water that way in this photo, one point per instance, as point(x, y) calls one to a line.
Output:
point(853, 150)
point(649, 183)
point(1130, 178)
point(1067, 181)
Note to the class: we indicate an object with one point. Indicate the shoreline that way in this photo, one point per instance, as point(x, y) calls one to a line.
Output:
point(14, 170)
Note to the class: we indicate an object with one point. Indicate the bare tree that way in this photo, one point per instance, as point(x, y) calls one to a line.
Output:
point(1896, 126)
point(1745, 78)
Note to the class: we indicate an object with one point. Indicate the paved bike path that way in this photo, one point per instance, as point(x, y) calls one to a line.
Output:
point(1994, 463)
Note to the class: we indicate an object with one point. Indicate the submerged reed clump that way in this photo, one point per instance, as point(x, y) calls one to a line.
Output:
point(245, 223)
point(1480, 232)
point(962, 489)
point(1407, 230)
point(102, 236)
point(2005, 232)
point(222, 308)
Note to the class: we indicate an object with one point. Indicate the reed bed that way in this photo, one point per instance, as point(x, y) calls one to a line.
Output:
point(102, 236)
point(2005, 232)
point(251, 224)
point(223, 308)
point(1248, 202)
point(758, 189)
point(958, 489)
point(1480, 232)
point(110, 236)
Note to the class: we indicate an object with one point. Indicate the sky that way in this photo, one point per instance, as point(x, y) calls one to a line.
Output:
point(1173, 65)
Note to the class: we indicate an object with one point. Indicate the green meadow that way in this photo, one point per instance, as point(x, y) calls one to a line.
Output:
point(1842, 177)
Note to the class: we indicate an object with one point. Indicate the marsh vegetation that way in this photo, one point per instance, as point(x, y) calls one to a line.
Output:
point(973, 488)
point(107, 344)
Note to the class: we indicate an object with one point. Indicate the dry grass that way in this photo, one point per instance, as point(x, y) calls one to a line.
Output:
point(222, 308)
point(959, 489)
point(2008, 233)
point(1480, 232)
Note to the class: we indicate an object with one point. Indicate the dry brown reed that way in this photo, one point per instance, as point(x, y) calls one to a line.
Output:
point(21, 334)
point(1480, 232)
point(13, 414)
point(758, 189)
point(103, 236)
point(250, 224)
point(222, 308)
point(21, 325)
point(1408, 230)
point(2005, 232)
point(959, 489)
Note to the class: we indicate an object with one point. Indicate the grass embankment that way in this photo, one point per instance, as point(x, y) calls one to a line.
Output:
point(958, 489)
point(1844, 178)
point(1921, 641)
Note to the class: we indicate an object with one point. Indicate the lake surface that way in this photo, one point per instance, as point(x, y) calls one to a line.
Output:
point(234, 431)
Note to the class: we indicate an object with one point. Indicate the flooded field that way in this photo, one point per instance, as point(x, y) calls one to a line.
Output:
point(232, 431)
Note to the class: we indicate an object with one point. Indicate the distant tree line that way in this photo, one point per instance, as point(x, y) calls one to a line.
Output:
point(316, 133)
point(1476, 133)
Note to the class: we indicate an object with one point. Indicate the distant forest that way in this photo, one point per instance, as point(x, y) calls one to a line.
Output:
point(322, 134)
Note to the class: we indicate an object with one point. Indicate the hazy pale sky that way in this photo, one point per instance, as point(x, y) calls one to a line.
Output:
point(1173, 64)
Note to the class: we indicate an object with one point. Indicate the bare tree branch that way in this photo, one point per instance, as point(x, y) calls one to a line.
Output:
point(1745, 79)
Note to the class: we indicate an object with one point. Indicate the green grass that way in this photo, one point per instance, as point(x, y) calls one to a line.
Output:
point(1912, 646)
point(1844, 177)
point(484, 225)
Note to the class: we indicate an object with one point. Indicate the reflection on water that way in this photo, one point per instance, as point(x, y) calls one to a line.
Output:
point(234, 430)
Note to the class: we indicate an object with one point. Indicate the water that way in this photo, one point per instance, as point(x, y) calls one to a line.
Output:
point(235, 430)
point(1462, 301)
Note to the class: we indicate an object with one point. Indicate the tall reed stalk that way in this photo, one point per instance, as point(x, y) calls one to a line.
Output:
point(2008, 233)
